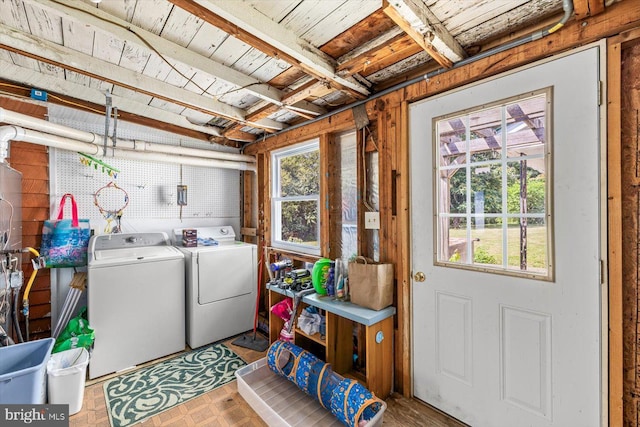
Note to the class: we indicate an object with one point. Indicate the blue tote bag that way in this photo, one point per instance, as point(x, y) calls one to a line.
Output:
point(65, 241)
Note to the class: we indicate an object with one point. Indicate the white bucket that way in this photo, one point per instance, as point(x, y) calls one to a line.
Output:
point(66, 373)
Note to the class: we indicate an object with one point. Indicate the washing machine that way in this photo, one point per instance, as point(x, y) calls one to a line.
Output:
point(220, 285)
point(135, 300)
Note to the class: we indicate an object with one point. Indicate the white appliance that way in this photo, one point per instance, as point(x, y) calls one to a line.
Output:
point(135, 300)
point(220, 284)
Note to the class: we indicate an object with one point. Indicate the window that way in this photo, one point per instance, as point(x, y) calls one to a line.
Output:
point(492, 187)
point(295, 198)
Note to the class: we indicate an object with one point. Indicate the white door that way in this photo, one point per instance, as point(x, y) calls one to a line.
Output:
point(506, 323)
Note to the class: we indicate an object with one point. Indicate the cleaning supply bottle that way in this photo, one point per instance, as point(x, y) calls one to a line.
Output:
point(330, 285)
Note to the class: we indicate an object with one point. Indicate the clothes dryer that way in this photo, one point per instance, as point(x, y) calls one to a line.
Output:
point(220, 285)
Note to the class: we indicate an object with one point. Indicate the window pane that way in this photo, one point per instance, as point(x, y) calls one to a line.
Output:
point(486, 137)
point(527, 246)
point(454, 182)
point(452, 134)
point(486, 189)
point(299, 174)
point(487, 241)
point(491, 181)
point(526, 189)
point(300, 222)
point(526, 127)
point(455, 250)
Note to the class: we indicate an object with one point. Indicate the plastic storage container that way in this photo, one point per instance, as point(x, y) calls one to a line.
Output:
point(281, 403)
point(67, 372)
point(22, 372)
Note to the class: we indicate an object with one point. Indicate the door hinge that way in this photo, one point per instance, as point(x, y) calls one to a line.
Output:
point(600, 86)
point(602, 273)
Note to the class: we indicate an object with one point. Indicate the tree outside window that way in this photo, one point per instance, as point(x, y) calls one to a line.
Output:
point(296, 197)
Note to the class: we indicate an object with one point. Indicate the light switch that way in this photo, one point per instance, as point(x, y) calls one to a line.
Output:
point(372, 220)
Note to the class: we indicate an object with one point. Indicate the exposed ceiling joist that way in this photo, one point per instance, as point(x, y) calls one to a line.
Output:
point(586, 8)
point(236, 134)
point(415, 18)
point(127, 32)
point(69, 59)
point(255, 29)
point(35, 79)
point(378, 53)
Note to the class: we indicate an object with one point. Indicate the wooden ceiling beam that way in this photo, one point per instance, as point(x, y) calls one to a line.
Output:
point(368, 29)
point(415, 19)
point(84, 14)
point(255, 29)
point(95, 97)
point(385, 50)
point(586, 8)
point(69, 59)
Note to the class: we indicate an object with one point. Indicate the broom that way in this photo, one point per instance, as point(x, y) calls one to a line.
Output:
point(248, 341)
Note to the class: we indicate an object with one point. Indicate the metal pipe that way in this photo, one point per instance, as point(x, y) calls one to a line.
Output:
point(567, 6)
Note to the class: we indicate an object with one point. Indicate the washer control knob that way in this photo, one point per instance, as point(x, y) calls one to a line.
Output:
point(131, 239)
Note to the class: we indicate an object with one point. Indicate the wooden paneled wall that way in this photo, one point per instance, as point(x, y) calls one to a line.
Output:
point(33, 161)
point(630, 137)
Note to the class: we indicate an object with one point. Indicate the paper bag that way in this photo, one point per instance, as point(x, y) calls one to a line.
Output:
point(371, 283)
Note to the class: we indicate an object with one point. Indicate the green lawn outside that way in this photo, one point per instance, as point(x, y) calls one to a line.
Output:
point(490, 245)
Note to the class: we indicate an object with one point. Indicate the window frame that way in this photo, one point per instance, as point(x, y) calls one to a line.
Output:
point(549, 275)
point(277, 200)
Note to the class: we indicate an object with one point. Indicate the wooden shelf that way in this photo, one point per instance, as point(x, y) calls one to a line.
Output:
point(315, 337)
point(337, 347)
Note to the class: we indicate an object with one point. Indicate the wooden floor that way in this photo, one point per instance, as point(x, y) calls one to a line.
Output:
point(225, 407)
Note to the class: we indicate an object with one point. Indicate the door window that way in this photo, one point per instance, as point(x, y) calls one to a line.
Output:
point(492, 187)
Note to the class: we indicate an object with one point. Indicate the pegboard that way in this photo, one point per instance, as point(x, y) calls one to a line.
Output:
point(151, 186)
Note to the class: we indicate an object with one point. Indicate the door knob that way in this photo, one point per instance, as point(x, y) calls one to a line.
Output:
point(419, 276)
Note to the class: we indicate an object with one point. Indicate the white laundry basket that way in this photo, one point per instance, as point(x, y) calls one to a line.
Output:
point(66, 372)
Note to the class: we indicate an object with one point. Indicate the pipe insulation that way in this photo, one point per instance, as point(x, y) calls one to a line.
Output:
point(28, 122)
point(35, 137)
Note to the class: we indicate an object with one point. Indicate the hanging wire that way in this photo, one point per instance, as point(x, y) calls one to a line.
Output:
point(157, 52)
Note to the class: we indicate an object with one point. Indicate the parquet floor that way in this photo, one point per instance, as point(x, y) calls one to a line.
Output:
point(225, 407)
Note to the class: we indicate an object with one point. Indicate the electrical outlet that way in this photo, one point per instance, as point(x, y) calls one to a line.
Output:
point(372, 220)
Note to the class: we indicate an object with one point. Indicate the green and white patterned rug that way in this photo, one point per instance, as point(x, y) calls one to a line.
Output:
point(138, 395)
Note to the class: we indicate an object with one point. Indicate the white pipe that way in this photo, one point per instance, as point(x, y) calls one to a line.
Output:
point(18, 119)
point(41, 138)
point(173, 149)
point(7, 133)
point(184, 160)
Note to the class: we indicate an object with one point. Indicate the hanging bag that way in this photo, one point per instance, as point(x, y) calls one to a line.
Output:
point(65, 241)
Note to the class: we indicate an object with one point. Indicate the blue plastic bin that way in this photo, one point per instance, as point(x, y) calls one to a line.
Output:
point(23, 369)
